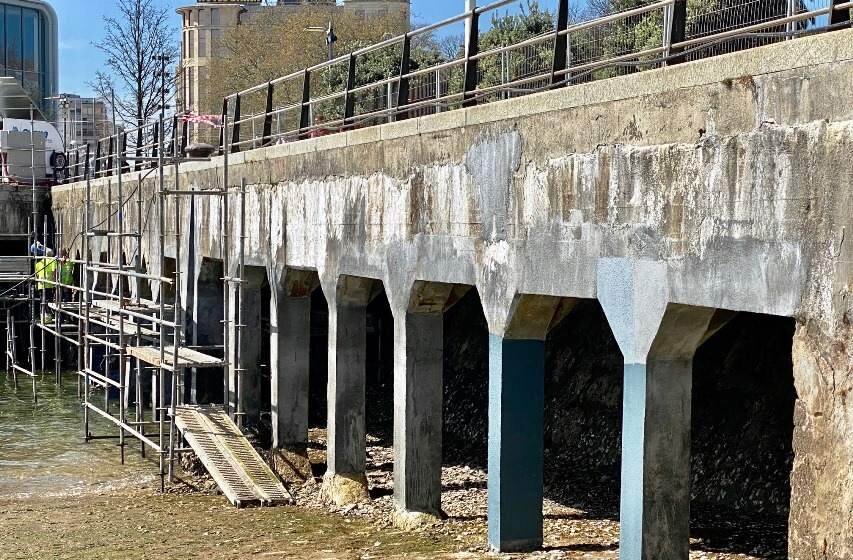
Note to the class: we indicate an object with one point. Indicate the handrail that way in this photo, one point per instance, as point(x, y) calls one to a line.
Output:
point(391, 96)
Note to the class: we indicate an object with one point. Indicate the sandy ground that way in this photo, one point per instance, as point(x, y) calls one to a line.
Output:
point(141, 524)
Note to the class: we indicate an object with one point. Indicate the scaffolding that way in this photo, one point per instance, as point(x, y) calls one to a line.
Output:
point(132, 350)
point(20, 305)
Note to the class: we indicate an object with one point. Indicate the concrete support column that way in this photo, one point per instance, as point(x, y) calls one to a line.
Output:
point(290, 332)
point(289, 349)
point(658, 340)
point(516, 410)
point(208, 315)
point(345, 481)
point(516, 405)
point(418, 397)
point(250, 348)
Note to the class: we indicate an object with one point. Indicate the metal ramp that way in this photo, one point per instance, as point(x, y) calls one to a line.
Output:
point(241, 474)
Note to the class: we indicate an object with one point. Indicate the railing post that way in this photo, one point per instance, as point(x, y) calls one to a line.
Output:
point(175, 136)
point(86, 163)
point(305, 112)
point(97, 158)
point(76, 167)
point(137, 164)
point(222, 131)
point(472, 47)
point(349, 97)
point(838, 17)
point(403, 84)
point(675, 31)
point(110, 160)
point(124, 167)
point(155, 143)
point(561, 45)
point(235, 126)
point(268, 116)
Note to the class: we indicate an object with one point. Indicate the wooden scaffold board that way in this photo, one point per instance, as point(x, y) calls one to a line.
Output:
point(187, 357)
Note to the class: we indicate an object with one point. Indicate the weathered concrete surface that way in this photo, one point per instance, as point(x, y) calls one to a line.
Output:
point(734, 174)
point(16, 208)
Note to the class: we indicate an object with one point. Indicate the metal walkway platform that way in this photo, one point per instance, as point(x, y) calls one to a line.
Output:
point(242, 475)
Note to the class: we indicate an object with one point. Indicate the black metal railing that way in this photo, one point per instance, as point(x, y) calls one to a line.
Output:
point(328, 97)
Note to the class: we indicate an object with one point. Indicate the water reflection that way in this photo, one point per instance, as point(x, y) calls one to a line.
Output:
point(42, 452)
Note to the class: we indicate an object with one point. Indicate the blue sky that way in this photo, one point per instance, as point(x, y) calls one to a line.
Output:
point(81, 23)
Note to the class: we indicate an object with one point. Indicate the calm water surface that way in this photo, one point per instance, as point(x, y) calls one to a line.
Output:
point(42, 452)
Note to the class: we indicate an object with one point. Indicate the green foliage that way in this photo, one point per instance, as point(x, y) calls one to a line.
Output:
point(510, 29)
point(279, 47)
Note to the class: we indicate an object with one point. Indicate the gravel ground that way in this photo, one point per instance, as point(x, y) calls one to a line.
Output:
point(569, 532)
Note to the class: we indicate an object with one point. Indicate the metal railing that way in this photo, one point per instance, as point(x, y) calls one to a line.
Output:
point(328, 97)
point(133, 149)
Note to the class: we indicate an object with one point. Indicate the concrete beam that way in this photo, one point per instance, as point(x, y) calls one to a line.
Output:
point(658, 340)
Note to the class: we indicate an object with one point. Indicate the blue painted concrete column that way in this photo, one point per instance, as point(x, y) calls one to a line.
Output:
point(658, 340)
point(655, 492)
point(516, 408)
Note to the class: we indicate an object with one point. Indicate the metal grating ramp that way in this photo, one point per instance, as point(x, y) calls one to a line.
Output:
point(238, 470)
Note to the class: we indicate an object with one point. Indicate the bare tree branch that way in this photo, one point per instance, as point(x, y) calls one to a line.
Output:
point(134, 42)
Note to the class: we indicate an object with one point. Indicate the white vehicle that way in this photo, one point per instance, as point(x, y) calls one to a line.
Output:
point(18, 114)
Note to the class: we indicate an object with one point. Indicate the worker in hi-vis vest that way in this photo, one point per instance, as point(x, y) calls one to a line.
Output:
point(45, 270)
point(66, 275)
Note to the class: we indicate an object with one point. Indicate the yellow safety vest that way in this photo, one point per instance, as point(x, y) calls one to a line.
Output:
point(45, 270)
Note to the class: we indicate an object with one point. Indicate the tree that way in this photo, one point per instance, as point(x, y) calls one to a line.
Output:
point(282, 42)
point(645, 31)
point(135, 42)
point(511, 29)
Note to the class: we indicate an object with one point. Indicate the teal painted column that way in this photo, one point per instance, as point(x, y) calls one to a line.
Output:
point(658, 339)
point(516, 409)
point(655, 492)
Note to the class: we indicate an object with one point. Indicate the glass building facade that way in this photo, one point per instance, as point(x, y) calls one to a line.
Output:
point(29, 49)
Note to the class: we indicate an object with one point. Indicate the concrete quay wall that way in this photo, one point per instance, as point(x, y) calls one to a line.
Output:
point(674, 197)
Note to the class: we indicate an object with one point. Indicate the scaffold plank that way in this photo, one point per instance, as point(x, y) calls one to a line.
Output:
point(187, 358)
point(239, 471)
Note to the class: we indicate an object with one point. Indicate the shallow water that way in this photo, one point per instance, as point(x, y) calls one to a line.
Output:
point(42, 452)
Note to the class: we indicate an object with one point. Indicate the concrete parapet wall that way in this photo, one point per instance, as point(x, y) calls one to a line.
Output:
point(733, 175)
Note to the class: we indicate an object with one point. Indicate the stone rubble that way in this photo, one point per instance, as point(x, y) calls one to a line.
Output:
point(569, 532)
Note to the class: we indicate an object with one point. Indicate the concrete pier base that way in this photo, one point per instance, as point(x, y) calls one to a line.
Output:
point(413, 520)
point(291, 463)
point(345, 481)
point(345, 489)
